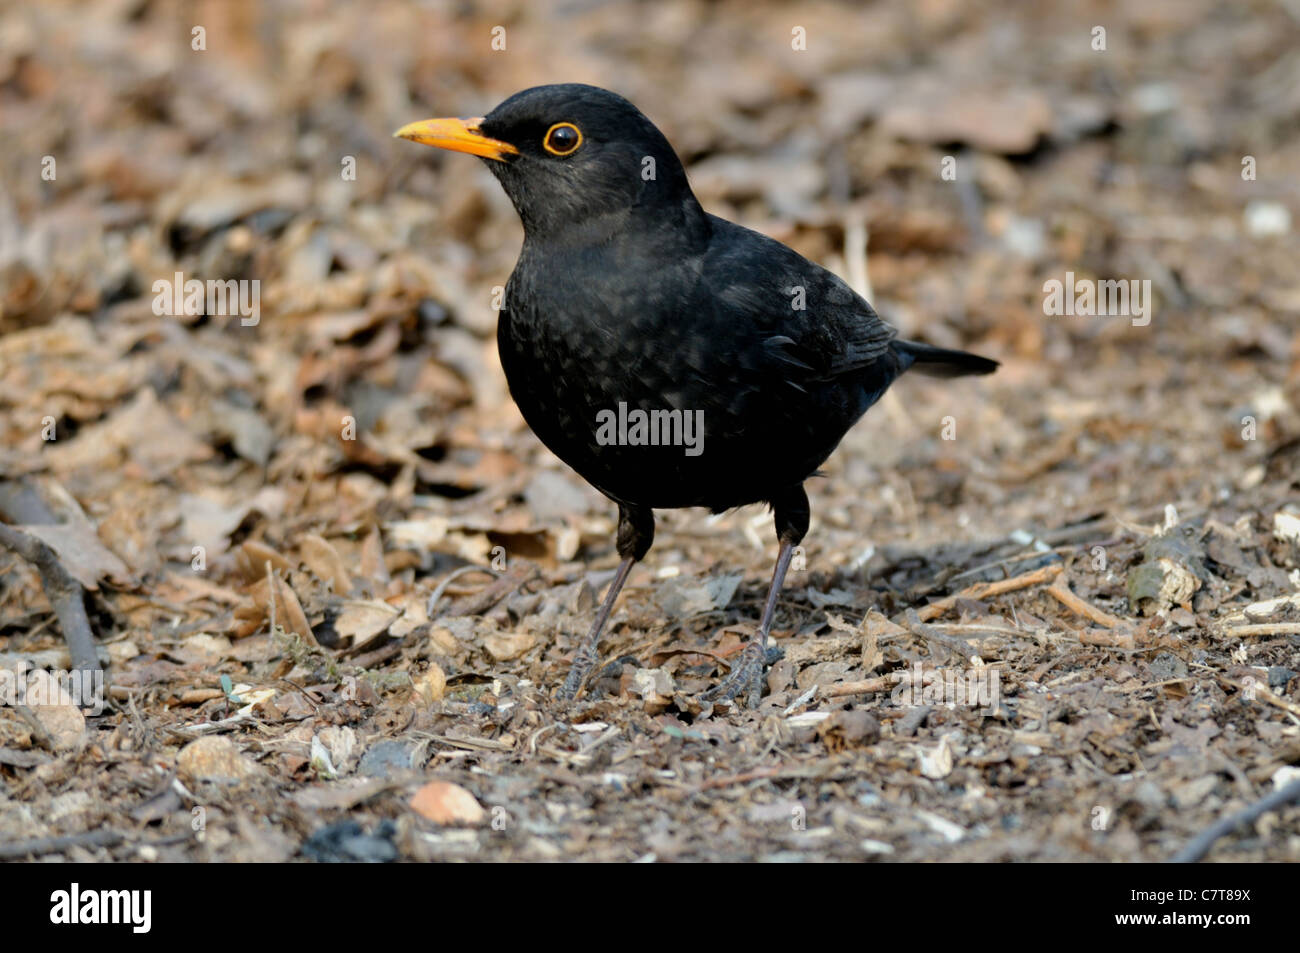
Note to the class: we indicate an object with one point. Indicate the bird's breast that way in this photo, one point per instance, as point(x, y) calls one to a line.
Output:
point(652, 398)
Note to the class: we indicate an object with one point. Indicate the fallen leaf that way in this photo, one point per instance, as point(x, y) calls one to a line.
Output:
point(504, 646)
point(361, 621)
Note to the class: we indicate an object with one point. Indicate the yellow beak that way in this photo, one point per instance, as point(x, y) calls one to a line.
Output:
point(458, 135)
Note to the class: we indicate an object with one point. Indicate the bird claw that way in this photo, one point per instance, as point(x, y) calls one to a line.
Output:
point(573, 682)
point(745, 683)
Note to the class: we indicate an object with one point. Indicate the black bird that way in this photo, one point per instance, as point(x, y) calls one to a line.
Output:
point(670, 357)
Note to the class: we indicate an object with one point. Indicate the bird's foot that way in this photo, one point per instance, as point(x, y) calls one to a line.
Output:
point(584, 660)
point(745, 683)
point(578, 673)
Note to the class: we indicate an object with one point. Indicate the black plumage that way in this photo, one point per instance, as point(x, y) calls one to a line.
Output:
point(628, 296)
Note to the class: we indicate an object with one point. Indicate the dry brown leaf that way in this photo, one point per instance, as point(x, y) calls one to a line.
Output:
point(361, 621)
point(432, 685)
point(504, 646)
point(214, 758)
point(319, 555)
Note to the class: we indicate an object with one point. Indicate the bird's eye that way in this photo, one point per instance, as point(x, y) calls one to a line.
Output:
point(562, 139)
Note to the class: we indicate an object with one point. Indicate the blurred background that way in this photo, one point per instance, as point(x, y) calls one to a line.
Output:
point(145, 137)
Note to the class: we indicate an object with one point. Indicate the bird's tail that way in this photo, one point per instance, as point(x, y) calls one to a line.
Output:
point(939, 361)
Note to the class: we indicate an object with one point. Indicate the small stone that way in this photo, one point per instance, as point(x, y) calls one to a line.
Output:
point(1166, 665)
point(68, 805)
point(55, 709)
point(1265, 219)
point(347, 842)
point(214, 758)
point(445, 803)
point(384, 758)
point(1279, 676)
point(849, 729)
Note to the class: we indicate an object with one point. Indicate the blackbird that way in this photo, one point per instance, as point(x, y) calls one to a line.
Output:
point(672, 358)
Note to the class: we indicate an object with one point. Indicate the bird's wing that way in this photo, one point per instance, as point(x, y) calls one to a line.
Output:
point(798, 317)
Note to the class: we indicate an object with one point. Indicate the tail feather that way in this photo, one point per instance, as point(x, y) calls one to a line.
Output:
point(939, 361)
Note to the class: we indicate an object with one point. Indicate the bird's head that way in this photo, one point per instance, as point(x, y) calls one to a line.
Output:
point(571, 157)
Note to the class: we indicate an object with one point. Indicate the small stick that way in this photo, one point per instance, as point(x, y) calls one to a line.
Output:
point(1061, 590)
point(1107, 639)
point(447, 580)
point(500, 588)
point(930, 632)
point(39, 734)
point(865, 687)
point(975, 630)
point(210, 727)
point(1264, 628)
point(868, 686)
point(983, 590)
point(50, 845)
point(377, 656)
point(757, 774)
point(1199, 847)
point(1264, 695)
point(270, 593)
point(1138, 688)
point(64, 592)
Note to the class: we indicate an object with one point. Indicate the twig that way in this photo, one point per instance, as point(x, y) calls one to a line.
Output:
point(931, 632)
point(983, 590)
point(376, 656)
point(39, 733)
point(51, 845)
point(1199, 847)
point(1144, 686)
point(1005, 564)
point(270, 593)
point(303, 692)
point(448, 580)
point(1262, 694)
point(501, 587)
point(1105, 638)
point(473, 744)
point(211, 727)
point(757, 774)
point(975, 630)
point(866, 686)
point(1060, 589)
point(64, 592)
point(532, 739)
point(1264, 628)
point(855, 253)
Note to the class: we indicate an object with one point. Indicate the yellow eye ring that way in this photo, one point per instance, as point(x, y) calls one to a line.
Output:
point(563, 144)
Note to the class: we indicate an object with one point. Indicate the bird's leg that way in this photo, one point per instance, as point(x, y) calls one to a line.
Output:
point(636, 531)
point(584, 660)
point(746, 678)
